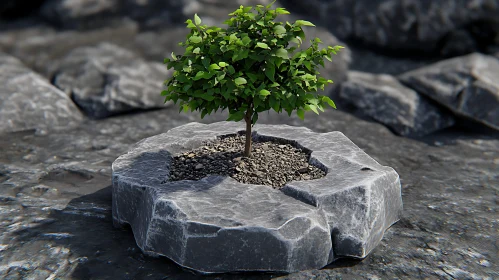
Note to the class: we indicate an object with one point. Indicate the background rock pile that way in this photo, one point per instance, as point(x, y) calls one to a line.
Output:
point(417, 88)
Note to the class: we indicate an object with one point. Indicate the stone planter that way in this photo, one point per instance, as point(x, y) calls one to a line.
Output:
point(219, 225)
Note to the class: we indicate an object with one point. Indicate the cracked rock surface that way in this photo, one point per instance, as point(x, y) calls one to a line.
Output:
point(383, 98)
point(352, 206)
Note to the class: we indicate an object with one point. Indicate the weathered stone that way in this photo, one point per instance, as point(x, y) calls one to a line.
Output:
point(107, 80)
point(422, 26)
point(42, 48)
point(467, 85)
point(31, 102)
point(385, 99)
point(219, 208)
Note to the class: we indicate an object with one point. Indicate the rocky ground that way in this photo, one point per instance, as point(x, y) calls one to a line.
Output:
point(56, 201)
point(79, 85)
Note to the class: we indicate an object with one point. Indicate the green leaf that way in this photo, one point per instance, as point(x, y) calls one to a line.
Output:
point(270, 5)
point(279, 29)
point(246, 40)
point(262, 45)
point(252, 76)
point(328, 100)
point(222, 64)
point(303, 23)
point(197, 20)
point(240, 81)
point(264, 92)
point(301, 114)
point(190, 24)
point(270, 72)
point(237, 116)
point(282, 11)
point(214, 67)
point(195, 39)
point(174, 57)
point(312, 107)
point(196, 50)
point(254, 119)
point(199, 75)
point(282, 53)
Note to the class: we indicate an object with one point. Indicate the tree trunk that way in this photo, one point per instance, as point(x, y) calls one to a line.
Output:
point(247, 118)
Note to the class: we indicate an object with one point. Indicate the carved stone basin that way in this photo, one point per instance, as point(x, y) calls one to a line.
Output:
point(217, 224)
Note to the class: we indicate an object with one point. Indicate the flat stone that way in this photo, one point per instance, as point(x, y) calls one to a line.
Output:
point(29, 101)
point(385, 99)
point(240, 227)
point(467, 85)
point(106, 80)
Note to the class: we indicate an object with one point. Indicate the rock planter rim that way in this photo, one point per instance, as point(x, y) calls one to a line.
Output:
point(355, 239)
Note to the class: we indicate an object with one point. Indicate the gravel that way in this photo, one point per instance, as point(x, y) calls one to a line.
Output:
point(272, 163)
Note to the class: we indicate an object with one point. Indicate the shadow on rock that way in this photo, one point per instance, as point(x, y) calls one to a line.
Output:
point(104, 252)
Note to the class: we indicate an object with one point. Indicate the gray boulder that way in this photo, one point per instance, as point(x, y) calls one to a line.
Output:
point(107, 80)
point(423, 26)
point(385, 99)
point(467, 85)
point(29, 101)
point(42, 48)
point(219, 225)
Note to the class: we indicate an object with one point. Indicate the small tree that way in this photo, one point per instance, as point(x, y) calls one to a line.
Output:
point(249, 68)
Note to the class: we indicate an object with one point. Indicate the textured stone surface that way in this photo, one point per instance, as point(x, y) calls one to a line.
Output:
point(42, 48)
point(55, 199)
point(29, 101)
point(448, 26)
point(356, 205)
point(466, 85)
point(107, 80)
point(385, 99)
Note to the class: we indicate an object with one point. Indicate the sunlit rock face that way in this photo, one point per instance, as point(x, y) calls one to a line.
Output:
point(29, 101)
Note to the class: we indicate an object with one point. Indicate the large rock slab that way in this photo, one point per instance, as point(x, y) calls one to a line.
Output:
point(218, 225)
point(385, 99)
point(446, 26)
point(29, 101)
point(106, 80)
point(466, 85)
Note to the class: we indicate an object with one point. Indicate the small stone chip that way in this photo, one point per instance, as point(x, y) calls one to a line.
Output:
point(199, 166)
